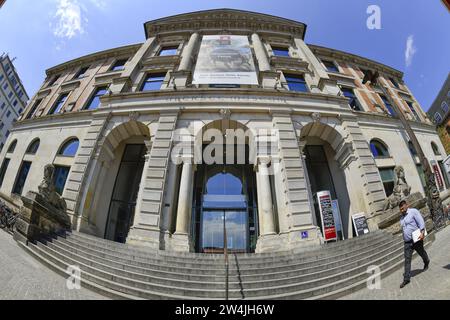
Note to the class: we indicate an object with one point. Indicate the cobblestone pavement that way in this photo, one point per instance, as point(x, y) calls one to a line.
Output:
point(432, 284)
point(24, 278)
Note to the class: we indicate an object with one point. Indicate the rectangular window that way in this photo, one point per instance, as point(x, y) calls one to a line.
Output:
point(168, 51)
point(20, 94)
point(280, 51)
point(94, 102)
point(8, 113)
point(153, 81)
point(53, 81)
point(388, 106)
point(387, 176)
point(7, 67)
point(395, 83)
point(331, 67)
point(296, 83)
point(10, 95)
point(59, 104)
point(33, 109)
point(119, 65)
point(81, 73)
point(5, 86)
point(2, 125)
point(15, 103)
point(1, 77)
point(61, 174)
point(3, 169)
point(3, 105)
point(21, 177)
point(413, 111)
point(437, 118)
point(352, 100)
point(13, 80)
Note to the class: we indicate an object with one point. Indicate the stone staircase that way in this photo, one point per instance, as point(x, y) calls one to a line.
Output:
point(121, 271)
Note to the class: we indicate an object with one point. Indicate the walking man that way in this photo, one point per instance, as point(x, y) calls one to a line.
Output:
point(410, 221)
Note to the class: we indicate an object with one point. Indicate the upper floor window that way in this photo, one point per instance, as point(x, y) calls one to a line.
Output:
point(7, 67)
point(2, 125)
point(435, 149)
point(70, 148)
point(331, 66)
point(395, 83)
point(444, 107)
point(379, 149)
point(388, 106)
point(20, 94)
point(94, 102)
point(34, 146)
point(1, 77)
point(119, 65)
point(8, 113)
point(413, 111)
point(33, 109)
point(59, 104)
point(3, 105)
point(13, 80)
point(10, 95)
point(54, 79)
point(448, 130)
point(81, 73)
point(437, 118)
point(15, 103)
point(12, 146)
point(280, 51)
point(5, 86)
point(168, 51)
point(153, 81)
point(352, 100)
point(296, 83)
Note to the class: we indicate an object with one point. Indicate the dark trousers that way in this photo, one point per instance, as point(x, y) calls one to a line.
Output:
point(409, 249)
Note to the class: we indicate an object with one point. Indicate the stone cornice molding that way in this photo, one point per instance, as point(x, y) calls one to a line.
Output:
point(225, 19)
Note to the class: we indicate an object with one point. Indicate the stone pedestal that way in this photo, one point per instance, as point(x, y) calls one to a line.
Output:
point(181, 243)
point(39, 221)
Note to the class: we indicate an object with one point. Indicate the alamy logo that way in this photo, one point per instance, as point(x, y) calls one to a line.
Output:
point(374, 20)
point(74, 280)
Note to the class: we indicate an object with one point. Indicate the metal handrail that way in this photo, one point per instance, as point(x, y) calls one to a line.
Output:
point(225, 251)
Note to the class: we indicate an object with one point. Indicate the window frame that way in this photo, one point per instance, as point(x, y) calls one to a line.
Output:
point(148, 76)
point(53, 81)
point(296, 76)
point(93, 96)
point(355, 98)
point(57, 168)
point(114, 65)
point(33, 144)
point(384, 149)
point(435, 148)
point(386, 103)
point(163, 48)
point(384, 182)
point(446, 108)
point(280, 48)
point(80, 74)
point(34, 108)
point(53, 109)
point(19, 174)
point(324, 62)
point(64, 146)
point(435, 118)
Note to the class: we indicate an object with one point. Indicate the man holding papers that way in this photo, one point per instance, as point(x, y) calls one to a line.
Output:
point(413, 227)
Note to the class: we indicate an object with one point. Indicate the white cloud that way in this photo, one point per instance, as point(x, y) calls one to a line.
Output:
point(411, 50)
point(100, 4)
point(69, 19)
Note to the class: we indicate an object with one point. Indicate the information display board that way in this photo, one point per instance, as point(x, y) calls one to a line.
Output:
point(360, 224)
point(326, 213)
point(225, 60)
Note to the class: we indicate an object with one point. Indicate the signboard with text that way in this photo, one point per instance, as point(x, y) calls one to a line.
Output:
point(437, 174)
point(360, 224)
point(326, 213)
point(225, 60)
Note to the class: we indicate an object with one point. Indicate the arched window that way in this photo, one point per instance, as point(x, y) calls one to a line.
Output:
point(435, 149)
point(33, 147)
point(379, 149)
point(70, 148)
point(444, 107)
point(12, 146)
point(412, 149)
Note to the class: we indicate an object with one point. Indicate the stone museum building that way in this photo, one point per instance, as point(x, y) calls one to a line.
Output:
point(131, 132)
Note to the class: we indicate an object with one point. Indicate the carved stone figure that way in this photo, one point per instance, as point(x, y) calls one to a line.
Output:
point(401, 189)
point(401, 181)
point(47, 189)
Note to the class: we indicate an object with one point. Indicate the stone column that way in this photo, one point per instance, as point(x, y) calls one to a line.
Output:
point(266, 205)
point(186, 60)
point(260, 53)
point(181, 237)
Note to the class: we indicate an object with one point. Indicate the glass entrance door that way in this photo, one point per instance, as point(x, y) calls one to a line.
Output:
point(213, 226)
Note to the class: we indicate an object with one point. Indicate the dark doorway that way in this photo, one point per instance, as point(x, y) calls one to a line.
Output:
point(126, 188)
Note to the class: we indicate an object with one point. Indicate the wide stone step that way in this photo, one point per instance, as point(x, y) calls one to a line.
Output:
point(218, 282)
point(212, 268)
point(245, 274)
point(202, 261)
point(147, 290)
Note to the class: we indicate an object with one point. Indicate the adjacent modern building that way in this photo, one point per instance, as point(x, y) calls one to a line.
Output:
point(221, 120)
point(13, 97)
point(440, 114)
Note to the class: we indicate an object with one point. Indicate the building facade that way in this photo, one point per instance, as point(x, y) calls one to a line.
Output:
point(222, 120)
point(13, 97)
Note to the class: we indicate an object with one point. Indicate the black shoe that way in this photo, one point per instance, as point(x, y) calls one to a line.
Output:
point(404, 283)
point(425, 267)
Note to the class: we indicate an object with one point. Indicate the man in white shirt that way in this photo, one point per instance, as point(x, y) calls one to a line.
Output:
point(410, 221)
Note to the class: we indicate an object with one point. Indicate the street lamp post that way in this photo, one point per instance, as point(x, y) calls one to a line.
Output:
point(431, 191)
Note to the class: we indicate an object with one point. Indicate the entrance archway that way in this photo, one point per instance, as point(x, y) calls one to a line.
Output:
point(225, 195)
point(326, 154)
point(118, 173)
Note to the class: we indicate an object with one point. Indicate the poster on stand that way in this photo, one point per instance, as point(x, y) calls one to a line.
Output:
point(360, 224)
point(327, 217)
point(225, 60)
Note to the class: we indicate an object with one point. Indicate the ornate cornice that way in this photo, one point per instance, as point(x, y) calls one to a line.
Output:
point(225, 19)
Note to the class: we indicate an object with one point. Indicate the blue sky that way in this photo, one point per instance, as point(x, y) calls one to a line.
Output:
point(45, 33)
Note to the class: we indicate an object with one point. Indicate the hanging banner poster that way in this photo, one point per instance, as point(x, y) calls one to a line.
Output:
point(326, 212)
point(437, 174)
point(225, 59)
